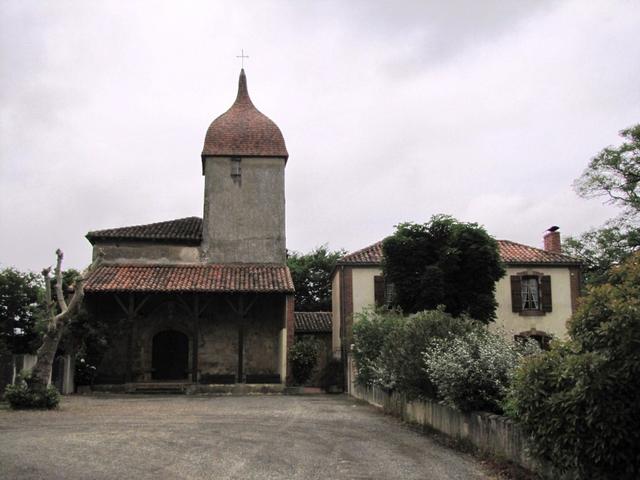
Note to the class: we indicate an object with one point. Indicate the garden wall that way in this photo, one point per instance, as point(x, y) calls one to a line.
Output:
point(489, 433)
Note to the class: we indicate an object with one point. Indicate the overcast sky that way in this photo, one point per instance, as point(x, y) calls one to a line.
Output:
point(391, 111)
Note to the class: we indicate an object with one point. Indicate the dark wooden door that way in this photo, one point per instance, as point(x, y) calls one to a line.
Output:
point(170, 355)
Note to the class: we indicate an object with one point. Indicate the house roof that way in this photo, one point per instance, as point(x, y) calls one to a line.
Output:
point(313, 322)
point(216, 278)
point(517, 253)
point(510, 253)
point(183, 230)
point(243, 131)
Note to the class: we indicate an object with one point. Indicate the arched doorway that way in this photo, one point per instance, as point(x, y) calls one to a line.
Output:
point(170, 355)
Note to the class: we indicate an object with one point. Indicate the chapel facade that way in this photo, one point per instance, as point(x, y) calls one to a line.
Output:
point(205, 300)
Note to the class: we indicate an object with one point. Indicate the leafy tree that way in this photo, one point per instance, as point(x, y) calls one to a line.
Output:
point(311, 273)
point(602, 248)
point(443, 262)
point(615, 173)
point(20, 295)
point(580, 402)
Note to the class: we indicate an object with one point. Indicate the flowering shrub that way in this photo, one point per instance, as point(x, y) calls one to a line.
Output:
point(388, 348)
point(473, 371)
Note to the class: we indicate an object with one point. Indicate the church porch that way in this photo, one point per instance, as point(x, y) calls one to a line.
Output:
point(173, 336)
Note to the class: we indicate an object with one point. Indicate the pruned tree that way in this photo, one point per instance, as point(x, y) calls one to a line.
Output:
point(58, 313)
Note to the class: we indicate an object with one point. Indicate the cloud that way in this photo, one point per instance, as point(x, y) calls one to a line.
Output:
point(391, 112)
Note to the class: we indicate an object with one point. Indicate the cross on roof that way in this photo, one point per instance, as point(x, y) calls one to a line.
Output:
point(242, 56)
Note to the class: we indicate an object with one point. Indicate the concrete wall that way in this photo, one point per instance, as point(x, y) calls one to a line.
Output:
point(493, 434)
point(554, 322)
point(244, 217)
point(147, 253)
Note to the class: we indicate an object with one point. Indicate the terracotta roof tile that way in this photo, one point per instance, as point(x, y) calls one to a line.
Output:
point(243, 131)
point(183, 230)
point(517, 253)
point(190, 278)
point(510, 253)
point(368, 255)
point(313, 322)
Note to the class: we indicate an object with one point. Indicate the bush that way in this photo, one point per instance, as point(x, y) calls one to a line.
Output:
point(580, 403)
point(85, 373)
point(370, 331)
point(473, 371)
point(388, 348)
point(333, 374)
point(27, 395)
point(303, 356)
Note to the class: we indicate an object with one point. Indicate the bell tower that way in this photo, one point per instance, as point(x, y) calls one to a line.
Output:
point(243, 162)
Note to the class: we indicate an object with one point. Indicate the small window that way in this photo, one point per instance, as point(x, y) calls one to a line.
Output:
point(530, 293)
point(236, 168)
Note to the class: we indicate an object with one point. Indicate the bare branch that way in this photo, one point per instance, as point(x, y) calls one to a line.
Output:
point(48, 302)
point(59, 292)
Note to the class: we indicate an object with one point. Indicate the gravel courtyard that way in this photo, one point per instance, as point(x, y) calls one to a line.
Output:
point(262, 437)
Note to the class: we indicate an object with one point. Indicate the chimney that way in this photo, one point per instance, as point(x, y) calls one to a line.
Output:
point(552, 240)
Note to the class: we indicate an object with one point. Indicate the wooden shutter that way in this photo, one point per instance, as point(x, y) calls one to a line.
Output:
point(378, 290)
point(545, 293)
point(516, 293)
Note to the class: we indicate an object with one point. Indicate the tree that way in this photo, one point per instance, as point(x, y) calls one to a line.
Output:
point(443, 262)
point(580, 402)
point(58, 315)
point(602, 248)
point(20, 296)
point(615, 173)
point(311, 274)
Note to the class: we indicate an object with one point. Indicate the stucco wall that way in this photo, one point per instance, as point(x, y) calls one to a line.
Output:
point(553, 322)
point(147, 253)
point(363, 288)
point(244, 218)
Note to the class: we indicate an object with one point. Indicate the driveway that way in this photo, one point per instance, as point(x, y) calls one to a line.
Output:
point(194, 437)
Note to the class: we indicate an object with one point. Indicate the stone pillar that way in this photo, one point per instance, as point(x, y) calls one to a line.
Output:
point(68, 375)
point(290, 327)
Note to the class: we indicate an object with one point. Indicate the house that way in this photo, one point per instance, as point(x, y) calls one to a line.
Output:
point(535, 298)
point(205, 300)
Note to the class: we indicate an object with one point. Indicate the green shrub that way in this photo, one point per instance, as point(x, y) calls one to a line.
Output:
point(580, 402)
point(27, 395)
point(388, 348)
point(473, 371)
point(303, 356)
point(370, 331)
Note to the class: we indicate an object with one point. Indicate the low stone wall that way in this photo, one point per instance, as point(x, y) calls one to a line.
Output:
point(489, 433)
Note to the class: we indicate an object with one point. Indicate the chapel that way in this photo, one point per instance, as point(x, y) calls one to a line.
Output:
point(204, 300)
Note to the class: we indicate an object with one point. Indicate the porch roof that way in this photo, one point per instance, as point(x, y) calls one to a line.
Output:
point(217, 278)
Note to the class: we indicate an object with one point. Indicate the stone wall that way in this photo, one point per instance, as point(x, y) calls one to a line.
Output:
point(214, 337)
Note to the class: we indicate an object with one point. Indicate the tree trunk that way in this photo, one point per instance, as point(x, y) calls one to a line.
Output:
point(41, 373)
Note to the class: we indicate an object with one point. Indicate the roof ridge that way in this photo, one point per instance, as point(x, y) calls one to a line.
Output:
point(361, 250)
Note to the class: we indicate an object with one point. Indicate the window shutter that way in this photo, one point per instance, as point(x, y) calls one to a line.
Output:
point(378, 290)
point(516, 293)
point(545, 293)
